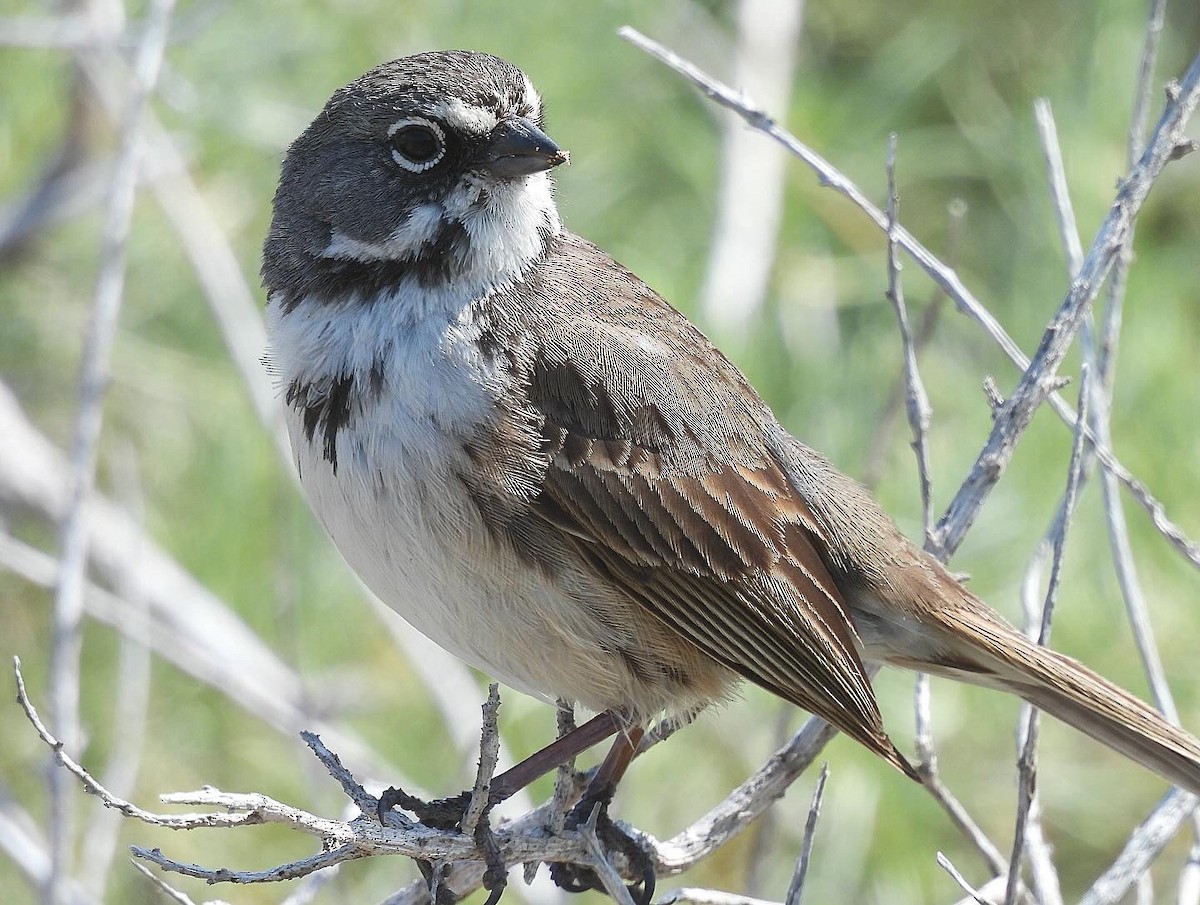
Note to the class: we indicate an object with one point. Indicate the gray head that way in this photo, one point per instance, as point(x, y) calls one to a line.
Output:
point(430, 168)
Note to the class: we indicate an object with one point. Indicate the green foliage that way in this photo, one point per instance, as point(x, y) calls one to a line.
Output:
point(955, 81)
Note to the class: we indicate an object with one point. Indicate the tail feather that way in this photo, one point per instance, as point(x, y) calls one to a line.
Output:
point(1072, 693)
point(965, 640)
point(975, 645)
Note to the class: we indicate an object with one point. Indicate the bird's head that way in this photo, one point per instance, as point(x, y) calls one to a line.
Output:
point(431, 169)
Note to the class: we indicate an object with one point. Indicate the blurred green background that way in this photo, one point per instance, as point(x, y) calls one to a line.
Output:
point(956, 81)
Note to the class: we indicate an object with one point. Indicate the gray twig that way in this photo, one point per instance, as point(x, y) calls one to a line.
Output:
point(161, 885)
point(1110, 331)
point(916, 399)
point(565, 777)
point(352, 788)
point(796, 887)
point(918, 411)
point(1038, 624)
point(613, 884)
point(1144, 845)
point(898, 391)
point(948, 866)
point(759, 852)
point(489, 754)
point(931, 779)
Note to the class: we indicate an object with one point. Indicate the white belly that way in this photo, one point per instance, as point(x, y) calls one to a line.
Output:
point(404, 522)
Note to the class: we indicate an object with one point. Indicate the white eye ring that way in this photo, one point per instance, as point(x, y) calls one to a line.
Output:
point(418, 166)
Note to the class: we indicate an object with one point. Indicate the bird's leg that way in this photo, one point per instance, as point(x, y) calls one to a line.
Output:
point(596, 798)
point(447, 813)
point(558, 752)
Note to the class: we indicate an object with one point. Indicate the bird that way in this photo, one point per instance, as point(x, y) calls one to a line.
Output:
point(548, 470)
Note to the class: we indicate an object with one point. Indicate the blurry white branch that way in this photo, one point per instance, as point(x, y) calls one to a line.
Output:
point(229, 295)
point(74, 532)
point(750, 194)
point(181, 620)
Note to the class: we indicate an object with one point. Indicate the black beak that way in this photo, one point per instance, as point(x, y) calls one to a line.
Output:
point(516, 147)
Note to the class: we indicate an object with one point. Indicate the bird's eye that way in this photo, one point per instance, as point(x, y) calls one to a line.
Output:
point(417, 144)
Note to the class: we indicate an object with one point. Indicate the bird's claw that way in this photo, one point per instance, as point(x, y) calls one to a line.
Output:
point(441, 813)
point(447, 814)
point(495, 878)
point(577, 878)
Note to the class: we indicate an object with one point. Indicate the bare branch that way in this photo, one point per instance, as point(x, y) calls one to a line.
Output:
point(161, 885)
point(91, 785)
point(1038, 624)
point(898, 391)
point(759, 853)
point(916, 399)
point(918, 411)
point(796, 888)
point(947, 865)
point(608, 875)
point(489, 753)
point(729, 818)
point(1143, 846)
point(931, 780)
point(1064, 213)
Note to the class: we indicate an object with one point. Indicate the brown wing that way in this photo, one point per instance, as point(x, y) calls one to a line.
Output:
point(660, 476)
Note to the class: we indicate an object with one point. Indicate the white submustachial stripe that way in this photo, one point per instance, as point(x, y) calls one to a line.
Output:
point(418, 229)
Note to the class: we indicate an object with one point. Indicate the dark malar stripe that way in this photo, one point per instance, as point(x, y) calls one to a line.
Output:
point(295, 278)
point(366, 281)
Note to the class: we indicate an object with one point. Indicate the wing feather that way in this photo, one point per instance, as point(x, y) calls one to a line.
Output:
point(659, 474)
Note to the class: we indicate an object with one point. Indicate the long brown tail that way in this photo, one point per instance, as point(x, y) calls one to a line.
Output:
point(1069, 691)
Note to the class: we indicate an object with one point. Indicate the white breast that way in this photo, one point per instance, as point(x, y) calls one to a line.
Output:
point(395, 507)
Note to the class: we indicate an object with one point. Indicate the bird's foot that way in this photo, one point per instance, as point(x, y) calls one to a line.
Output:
point(577, 878)
point(441, 813)
point(447, 814)
point(495, 877)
